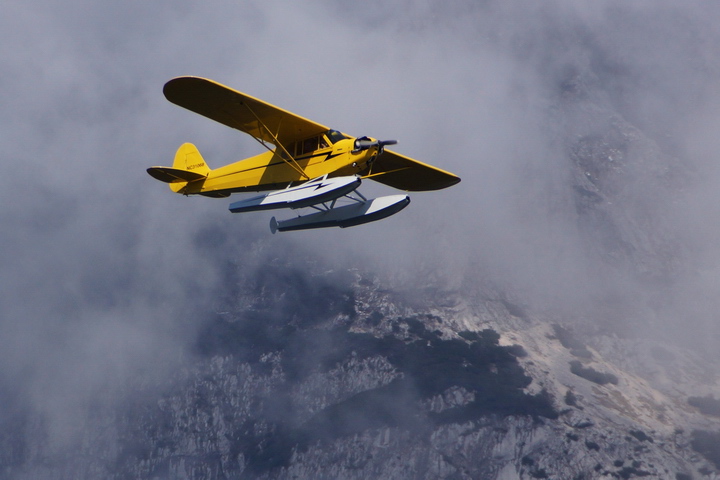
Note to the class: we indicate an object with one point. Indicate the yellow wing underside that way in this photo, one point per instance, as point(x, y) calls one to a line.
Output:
point(405, 173)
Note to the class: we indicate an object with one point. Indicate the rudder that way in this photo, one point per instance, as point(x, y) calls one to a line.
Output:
point(188, 158)
point(188, 166)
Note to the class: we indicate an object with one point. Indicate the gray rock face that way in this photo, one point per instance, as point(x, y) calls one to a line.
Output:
point(469, 391)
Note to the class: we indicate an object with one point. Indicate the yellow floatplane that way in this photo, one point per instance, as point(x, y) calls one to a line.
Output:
point(306, 165)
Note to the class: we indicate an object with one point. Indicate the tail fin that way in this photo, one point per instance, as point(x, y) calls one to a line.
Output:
point(188, 158)
point(188, 166)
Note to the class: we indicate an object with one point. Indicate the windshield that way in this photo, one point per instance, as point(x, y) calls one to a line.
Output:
point(334, 136)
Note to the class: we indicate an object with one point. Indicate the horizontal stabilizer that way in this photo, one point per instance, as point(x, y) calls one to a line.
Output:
point(309, 193)
point(345, 216)
point(172, 175)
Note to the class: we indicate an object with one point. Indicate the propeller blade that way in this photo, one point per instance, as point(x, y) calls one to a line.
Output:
point(363, 143)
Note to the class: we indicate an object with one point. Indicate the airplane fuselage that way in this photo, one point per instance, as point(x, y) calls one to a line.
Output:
point(270, 170)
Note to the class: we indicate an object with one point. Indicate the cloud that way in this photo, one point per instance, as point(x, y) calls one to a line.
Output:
point(104, 271)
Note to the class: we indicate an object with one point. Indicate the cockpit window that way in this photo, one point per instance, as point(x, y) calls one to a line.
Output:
point(309, 145)
point(335, 136)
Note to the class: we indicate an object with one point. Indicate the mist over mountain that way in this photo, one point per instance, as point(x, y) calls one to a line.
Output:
point(552, 316)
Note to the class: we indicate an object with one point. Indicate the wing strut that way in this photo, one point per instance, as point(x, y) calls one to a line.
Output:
point(372, 175)
point(291, 160)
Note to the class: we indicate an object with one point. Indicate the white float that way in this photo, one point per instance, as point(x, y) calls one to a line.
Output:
point(309, 193)
point(356, 213)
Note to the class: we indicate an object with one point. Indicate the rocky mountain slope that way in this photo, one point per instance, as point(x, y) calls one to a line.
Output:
point(357, 382)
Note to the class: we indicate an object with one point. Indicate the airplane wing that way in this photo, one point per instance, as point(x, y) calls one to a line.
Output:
point(240, 111)
point(405, 173)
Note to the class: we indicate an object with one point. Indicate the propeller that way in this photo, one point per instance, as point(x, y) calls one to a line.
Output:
point(363, 143)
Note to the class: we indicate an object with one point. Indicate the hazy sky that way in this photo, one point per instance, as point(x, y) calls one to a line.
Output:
point(101, 268)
